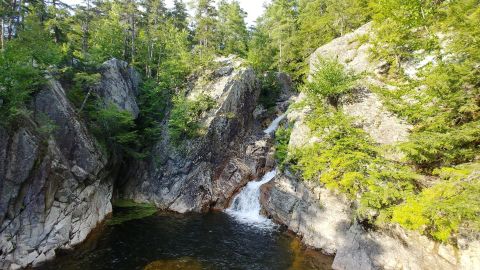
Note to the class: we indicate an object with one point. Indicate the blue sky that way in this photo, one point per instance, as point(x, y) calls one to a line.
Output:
point(254, 8)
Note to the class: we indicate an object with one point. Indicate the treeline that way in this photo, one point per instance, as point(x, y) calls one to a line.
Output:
point(290, 30)
point(40, 37)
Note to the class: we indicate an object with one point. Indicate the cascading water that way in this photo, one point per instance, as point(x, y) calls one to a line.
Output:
point(246, 205)
point(274, 125)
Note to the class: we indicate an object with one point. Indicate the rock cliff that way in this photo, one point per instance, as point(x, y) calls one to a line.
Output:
point(323, 218)
point(205, 172)
point(55, 185)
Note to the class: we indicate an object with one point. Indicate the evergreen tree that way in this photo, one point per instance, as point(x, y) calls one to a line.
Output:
point(179, 15)
point(232, 29)
point(206, 29)
point(281, 20)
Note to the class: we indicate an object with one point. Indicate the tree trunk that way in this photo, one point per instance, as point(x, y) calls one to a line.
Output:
point(11, 20)
point(133, 37)
point(85, 100)
point(2, 34)
point(85, 29)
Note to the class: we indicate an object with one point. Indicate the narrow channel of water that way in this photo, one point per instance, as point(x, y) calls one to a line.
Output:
point(246, 204)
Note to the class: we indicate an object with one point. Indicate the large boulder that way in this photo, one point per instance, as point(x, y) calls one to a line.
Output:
point(205, 172)
point(319, 216)
point(53, 185)
point(119, 85)
point(366, 106)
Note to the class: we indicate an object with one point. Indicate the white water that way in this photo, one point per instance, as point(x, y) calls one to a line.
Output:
point(274, 125)
point(246, 205)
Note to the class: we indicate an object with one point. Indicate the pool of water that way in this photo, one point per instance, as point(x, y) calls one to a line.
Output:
point(193, 241)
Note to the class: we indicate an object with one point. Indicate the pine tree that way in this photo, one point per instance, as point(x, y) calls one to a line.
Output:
point(281, 20)
point(179, 15)
point(206, 29)
point(232, 29)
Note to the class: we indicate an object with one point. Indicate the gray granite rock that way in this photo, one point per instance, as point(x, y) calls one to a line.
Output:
point(119, 85)
point(324, 220)
point(54, 187)
point(204, 172)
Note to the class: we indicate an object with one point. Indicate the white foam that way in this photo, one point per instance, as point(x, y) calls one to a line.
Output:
point(246, 205)
point(274, 125)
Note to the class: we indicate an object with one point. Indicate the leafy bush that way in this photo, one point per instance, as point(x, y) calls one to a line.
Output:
point(345, 159)
point(440, 210)
point(270, 90)
point(330, 81)
point(116, 129)
point(185, 116)
point(22, 69)
point(451, 146)
point(282, 138)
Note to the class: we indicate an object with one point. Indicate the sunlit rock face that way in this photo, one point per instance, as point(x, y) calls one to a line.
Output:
point(325, 219)
point(119, 85)
point(54, 185)
point(205, 172)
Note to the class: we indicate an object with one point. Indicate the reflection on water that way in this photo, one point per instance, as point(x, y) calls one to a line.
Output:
point(183, 263)
point(193, 241)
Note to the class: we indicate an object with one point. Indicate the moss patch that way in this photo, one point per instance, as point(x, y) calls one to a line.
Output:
point(125, 210)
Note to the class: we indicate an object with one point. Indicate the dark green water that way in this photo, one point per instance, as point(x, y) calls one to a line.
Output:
point(194, 241)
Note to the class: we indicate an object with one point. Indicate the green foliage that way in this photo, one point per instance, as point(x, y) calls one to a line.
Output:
point(232, 29)
point(261, 53)
point(270, 90)
point(282, 138)
point(403, 27)
point(433, 148)
point(290, 30)
point(346, 159)
point(320, 21)
point(440, 210)
point(206, 28)
point(443, 102)
point(185, 115)
point(153, 103)
point(280, 23)
point(115, 128)
point(22, 69)
point(108, 37)
point(330, 81)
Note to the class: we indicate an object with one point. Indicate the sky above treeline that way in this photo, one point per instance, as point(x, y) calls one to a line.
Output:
point(254, 8)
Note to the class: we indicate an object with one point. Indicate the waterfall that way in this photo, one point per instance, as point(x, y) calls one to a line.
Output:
point(274, 125)
point(246, 205)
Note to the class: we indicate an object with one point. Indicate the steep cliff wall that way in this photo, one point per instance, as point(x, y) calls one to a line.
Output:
point(204, 172)
point(324, 218)
point(54, 183)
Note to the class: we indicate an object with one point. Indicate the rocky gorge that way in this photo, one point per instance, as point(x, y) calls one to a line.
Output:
point(56, 186)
